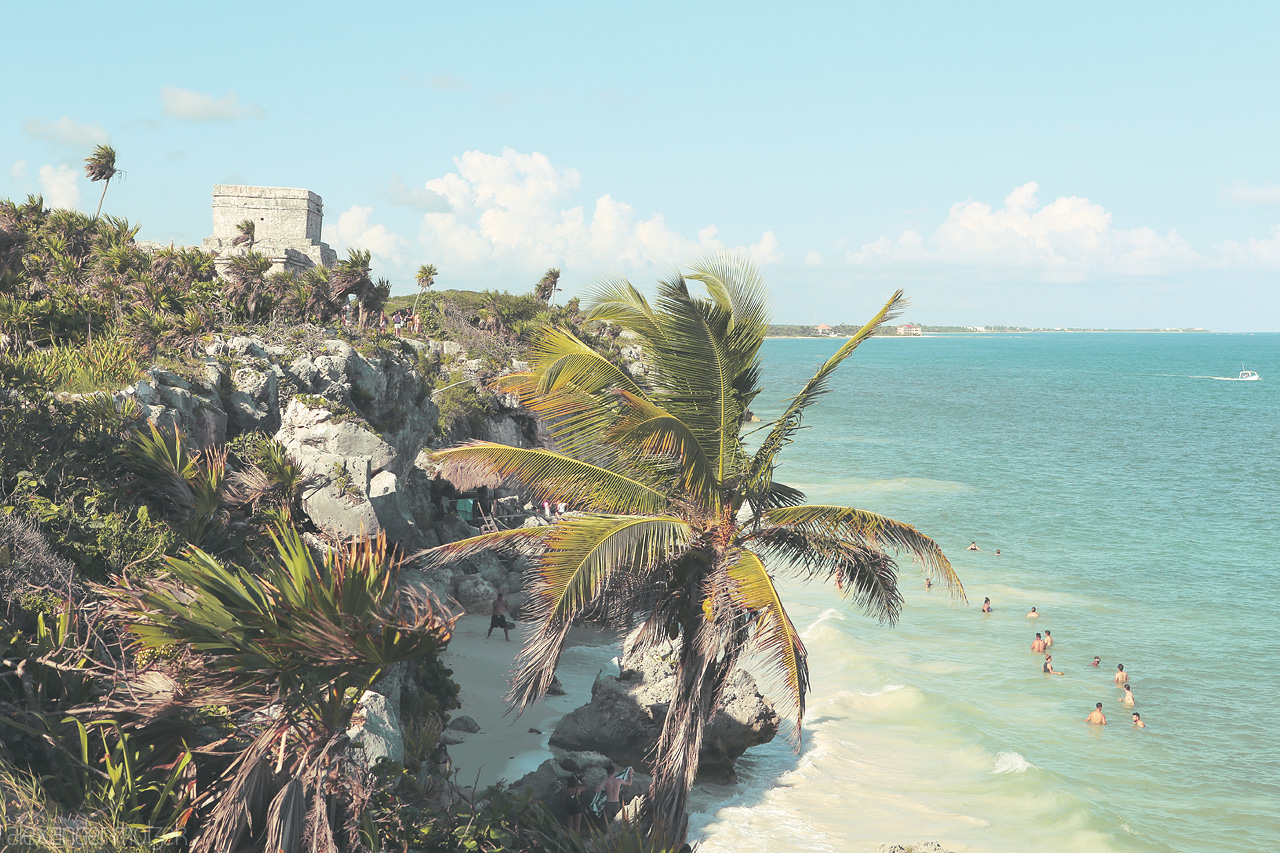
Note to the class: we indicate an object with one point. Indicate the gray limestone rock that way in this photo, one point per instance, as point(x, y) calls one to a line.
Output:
point(547, 783)
point(464, 724)
point(380, 732)
point(476, 595)
point(451, 738)
point(921, 847)
point(625, 717)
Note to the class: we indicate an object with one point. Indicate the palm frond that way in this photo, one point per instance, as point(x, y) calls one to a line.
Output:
point(876, 531)
point(774, 636)
point(651, 429)
point(560, 360)
point(760, 471)
point(582, 552)
point(553, 477)
point(523, 541)
point(865, 575)
point(614, 299)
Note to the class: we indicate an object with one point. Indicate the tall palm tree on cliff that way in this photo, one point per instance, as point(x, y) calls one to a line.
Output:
point(545, 289)
point(682, 526)
point(426, 277)
point(101, 166)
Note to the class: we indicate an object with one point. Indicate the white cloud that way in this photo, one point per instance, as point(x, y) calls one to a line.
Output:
point(354, 230)
point(60, 186)
point(813, 259)
point(19, 171)
point(519, 210)
point(197, 106)
point(1069, 239)
point(448, 83)
point(1255, 252)
point(66, 131)
point(1263, 196)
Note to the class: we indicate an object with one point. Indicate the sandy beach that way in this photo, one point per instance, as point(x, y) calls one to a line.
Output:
point(509, 746)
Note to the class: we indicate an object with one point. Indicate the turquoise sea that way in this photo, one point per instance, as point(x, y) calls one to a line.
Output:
point(1135, 503)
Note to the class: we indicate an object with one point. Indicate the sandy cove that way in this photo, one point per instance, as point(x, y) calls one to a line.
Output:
point(505, 748)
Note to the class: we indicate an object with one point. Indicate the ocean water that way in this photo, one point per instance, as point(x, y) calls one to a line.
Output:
point(1136, 505)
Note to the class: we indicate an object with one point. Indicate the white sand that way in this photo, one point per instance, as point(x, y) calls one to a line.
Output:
point(504, 748)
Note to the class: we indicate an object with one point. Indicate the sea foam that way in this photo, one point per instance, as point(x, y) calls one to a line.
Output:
point(1010, 762)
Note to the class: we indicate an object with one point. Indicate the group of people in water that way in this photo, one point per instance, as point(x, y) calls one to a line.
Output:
point(1043, 642)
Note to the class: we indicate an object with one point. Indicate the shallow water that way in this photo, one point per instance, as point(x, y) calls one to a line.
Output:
point(1137, 506)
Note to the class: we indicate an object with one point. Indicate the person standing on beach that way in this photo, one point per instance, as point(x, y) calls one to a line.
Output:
point(1096, 717)
point(1137, 721)
point(1033, 614)
point(1126, 698)
point(986, 605)
point(1048, 666)
point(1121, 676)
point(499, 618)
point(612, 787)
point(1048, 639)
point(1037, 645)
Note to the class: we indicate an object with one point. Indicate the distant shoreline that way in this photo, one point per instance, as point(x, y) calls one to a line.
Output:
point(999, 332)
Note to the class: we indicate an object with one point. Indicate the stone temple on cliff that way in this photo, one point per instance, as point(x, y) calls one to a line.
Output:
point(286, 226)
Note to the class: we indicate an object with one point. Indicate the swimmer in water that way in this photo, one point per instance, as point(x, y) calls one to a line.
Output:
point(986, 605)
point(997, 552)
point(1048, 639)
point(1048, 666)
point(1137, 721)
point(1127, 697)
point(1096, 660)
point(1033, 614)
point(928, 584)
point(973, 546)
point(1037, 645)
point(1121, 675)
point(1096, 717)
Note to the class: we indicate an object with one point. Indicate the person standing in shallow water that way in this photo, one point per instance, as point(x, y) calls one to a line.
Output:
point(1126, 698)
point(1121, 676)
point(1033, 614)
point(1096, 717)
point(973, 546)
point(986, 605)
point(1137, 721)
point(1048, 666)
point(1037, 645)
point(1048, 639)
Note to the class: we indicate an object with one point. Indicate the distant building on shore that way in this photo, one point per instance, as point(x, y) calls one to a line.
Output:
point(910, 329)
point(286, 224)
point(825, 331)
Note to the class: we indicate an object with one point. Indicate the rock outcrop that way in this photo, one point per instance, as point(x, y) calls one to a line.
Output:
point(547, 783)
point(626, 713)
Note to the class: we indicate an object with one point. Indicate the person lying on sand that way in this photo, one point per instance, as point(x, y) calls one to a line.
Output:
point(1096, 717)
point(1048, 666)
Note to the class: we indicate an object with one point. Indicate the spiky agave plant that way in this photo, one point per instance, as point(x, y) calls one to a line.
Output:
point(682, 526)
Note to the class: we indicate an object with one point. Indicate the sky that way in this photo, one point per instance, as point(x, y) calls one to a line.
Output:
point(1034, 163)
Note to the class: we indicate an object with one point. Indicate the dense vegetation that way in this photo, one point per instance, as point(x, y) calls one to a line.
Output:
point(176, 667)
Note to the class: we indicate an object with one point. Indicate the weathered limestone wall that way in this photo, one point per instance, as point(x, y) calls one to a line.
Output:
point(287, 225)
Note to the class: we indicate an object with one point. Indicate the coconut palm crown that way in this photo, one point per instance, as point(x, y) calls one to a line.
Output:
point(681, 526)
point(101, 166)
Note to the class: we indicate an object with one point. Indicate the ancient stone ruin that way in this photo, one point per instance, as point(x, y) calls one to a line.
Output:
point(286, 226)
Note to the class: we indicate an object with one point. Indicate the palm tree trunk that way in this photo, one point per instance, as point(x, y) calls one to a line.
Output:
point(102, 197)
point(700, 679)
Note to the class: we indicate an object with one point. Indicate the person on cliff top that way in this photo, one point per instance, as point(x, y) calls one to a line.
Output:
point(397, 320)
point(417, 323)
point(499, 618)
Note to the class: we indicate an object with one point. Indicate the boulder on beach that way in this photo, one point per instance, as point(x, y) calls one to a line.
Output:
point(625, 715)
point(547, 783)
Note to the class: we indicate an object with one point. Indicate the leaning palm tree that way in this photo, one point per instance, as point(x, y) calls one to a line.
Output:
point(682, 527)
point(246, 231)
point(101, 166)
point(545, 289)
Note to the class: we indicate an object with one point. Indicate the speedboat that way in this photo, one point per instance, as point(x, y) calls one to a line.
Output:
point(1248, 376)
